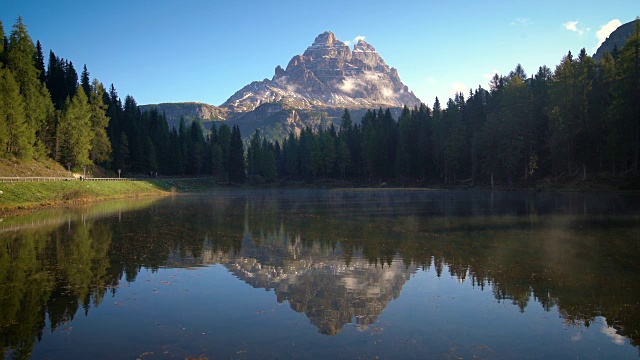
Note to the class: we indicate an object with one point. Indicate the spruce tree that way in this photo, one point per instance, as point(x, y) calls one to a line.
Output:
point(100, 145)
point(20, 60)
point(15, 137)
point(254, 154)
point(75, 131)
point(236, 157)
point(3, 39)
point(84, 80)
point(224, 139)
point(39, 62)
point(629, 92)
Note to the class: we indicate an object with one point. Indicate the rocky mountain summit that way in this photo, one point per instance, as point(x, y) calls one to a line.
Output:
point(312, 91)
point(617, 39)
point(328, 75)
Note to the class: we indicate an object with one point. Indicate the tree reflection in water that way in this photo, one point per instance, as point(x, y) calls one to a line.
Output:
point(334, 255)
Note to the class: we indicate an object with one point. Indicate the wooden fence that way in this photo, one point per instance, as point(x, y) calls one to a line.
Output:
point(51, 178)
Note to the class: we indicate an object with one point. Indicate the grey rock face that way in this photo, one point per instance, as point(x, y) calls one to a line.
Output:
point(617, 38)
point(328, 74)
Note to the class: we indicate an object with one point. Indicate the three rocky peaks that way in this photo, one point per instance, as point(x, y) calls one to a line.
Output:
point(328, 75)
point(312, 91)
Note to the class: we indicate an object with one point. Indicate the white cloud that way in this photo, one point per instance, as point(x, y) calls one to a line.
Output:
point(348, 86)
point(610, 331)
point(387, 92)
point(490, 75)
point(457, 87)
point(613, 334)
point(359, 37)
point(573, 26)
point(521, 22)
point(606, 30)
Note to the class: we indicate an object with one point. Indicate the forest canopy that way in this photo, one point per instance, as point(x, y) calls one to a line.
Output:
point(578, 119)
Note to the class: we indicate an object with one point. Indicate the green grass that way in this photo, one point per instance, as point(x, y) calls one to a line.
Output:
point(22, 195)
point(28, 195)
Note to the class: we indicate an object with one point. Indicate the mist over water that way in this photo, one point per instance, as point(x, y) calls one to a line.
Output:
point(326, 273)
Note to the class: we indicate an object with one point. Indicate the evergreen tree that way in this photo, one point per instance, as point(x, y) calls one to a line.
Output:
point(84, 80)
point(195, 149)
point(406, 149)
point(254, 154)
point(56, 82)
point(71, 79)
point(291, 156)
point(75, 131)
point(100, 145)
point(3, 40)
point(175, 154)
point(15, 137)
point(217, 167)
point(425, 142)
point(21, 54)
point(629, 92)
point(114, 130)
point(136, 136)
point(268, 169)
point(236, 157)
point(327, 145)
point(159, 134)
point(562, 115)
point(123, 160)
point(39, 62)
point(224, 139)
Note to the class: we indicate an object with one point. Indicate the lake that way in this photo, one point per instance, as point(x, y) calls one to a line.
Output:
point(354, 274)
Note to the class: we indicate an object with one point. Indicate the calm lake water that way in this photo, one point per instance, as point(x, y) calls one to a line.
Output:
point(326, 274)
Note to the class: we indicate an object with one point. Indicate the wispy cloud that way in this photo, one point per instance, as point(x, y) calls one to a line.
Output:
point(573, 26)
point(606, 30)
point(358, 38)
point(521, 22)
point(613, 334)
point(490, 75)
point(457, 87)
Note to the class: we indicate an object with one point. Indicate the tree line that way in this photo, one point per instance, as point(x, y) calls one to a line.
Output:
point(45, 112)
point(580, 119)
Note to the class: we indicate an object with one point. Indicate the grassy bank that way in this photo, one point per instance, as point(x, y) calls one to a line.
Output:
point(29, 195)
point(18, 197)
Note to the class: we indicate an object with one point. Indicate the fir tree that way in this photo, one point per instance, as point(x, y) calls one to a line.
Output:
point(84, 80)
point(236, 157)
point(21, 54)
point(39, 62)
point(75, 131)
point(15, 137)
point(100, 145)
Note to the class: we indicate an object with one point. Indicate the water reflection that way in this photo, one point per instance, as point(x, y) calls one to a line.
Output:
point(336, 256)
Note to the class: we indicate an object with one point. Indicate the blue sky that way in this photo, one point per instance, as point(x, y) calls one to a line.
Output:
point(172, 51)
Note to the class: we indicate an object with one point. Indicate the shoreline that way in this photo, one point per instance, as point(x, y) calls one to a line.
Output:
point(34, 196)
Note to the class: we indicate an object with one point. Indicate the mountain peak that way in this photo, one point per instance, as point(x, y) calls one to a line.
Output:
point(363, 46)
point(329, 75)
point(326, 38)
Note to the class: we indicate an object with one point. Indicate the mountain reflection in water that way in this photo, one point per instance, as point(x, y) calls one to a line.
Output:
point(339, 257)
